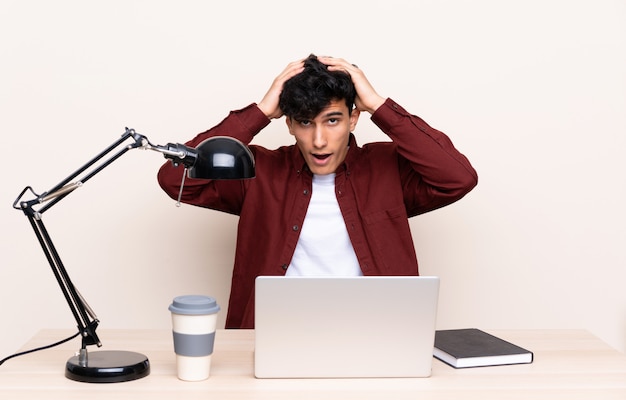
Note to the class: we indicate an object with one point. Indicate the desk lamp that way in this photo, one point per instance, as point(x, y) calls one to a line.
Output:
point(215, 158)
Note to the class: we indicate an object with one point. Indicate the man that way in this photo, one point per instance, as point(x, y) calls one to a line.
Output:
point(326, 206)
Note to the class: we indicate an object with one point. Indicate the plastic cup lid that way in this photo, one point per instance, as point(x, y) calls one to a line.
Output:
point(194, 305)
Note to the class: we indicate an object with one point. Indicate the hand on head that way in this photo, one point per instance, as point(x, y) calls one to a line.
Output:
point(269, 104)
point(367, 99)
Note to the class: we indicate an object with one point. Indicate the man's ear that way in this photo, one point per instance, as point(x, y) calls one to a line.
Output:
point(354, 118)
point(289, 122)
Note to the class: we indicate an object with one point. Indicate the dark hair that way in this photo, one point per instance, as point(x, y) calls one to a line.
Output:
point(308, 93)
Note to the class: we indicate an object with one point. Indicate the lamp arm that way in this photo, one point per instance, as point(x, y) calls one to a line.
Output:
point(86, 319)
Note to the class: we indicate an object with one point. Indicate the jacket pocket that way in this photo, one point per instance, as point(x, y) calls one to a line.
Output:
point(384, 215)
point(389, 236)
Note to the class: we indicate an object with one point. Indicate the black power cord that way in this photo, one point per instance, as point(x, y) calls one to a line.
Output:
point(39, 348)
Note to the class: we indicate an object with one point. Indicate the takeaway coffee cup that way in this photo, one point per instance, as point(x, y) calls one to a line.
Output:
point(194, 319)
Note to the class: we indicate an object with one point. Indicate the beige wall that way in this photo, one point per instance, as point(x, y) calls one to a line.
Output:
point(533, 92)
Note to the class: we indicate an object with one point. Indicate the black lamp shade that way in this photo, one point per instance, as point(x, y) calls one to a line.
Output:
point(222, 157)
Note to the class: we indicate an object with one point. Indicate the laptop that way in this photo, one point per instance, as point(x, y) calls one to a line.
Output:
point(345, 327)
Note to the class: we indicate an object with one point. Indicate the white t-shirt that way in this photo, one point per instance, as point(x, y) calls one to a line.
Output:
point(324, 247)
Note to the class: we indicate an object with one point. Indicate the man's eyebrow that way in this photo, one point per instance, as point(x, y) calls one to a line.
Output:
point(333, 114)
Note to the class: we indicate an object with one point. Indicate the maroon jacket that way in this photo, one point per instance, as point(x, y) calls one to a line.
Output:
point(378, 187)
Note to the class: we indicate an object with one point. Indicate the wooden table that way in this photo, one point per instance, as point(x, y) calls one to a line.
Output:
point(569, 364)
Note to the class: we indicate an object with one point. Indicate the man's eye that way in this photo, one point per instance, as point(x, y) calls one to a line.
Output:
point(333, 121)
point(304, 123)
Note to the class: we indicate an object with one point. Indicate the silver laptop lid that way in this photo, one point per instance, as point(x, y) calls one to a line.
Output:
point(342, 327)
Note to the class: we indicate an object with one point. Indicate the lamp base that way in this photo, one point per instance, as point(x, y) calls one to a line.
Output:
point(108, 367)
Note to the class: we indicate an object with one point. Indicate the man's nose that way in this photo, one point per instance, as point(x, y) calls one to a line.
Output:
point(319, 138)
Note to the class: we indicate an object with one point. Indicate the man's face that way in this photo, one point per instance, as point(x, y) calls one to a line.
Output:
point(323, 140)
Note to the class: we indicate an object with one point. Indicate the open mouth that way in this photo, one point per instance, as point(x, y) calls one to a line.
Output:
point(321, 156)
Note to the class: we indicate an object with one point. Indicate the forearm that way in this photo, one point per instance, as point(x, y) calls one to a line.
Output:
point(431, 153)
point(242, 125)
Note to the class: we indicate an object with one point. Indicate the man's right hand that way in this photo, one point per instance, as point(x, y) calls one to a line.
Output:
point(269, 104)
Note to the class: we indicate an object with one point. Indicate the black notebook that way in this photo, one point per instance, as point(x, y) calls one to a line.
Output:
point(463, 348)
